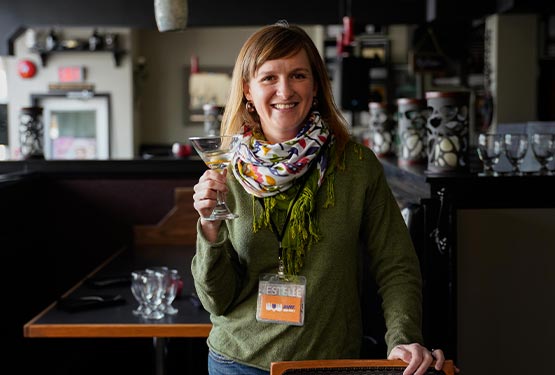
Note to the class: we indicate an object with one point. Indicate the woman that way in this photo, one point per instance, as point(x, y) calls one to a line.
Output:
point(307, 198)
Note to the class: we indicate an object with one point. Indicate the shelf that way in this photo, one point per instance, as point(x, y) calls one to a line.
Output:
point(116, 53)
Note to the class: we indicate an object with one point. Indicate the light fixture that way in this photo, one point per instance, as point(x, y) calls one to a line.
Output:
point(171, 15)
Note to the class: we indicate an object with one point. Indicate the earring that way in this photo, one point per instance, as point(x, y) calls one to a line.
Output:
point(314, 102)
point(250, 106)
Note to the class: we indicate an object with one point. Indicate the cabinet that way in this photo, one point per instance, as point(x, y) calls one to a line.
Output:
point(480, 235)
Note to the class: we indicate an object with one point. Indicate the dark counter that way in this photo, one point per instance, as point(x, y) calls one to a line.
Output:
point(155, 167)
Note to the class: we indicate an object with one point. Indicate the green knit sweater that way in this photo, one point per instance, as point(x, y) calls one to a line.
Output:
point(226, 272)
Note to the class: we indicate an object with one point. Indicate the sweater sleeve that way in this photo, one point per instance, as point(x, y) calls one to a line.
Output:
point(393, 262)
point(216, 272)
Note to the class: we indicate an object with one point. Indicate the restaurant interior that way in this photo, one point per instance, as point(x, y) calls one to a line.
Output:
point(98, 100)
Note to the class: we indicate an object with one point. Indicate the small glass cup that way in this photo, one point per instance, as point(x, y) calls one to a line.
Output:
point(170, 283)
point(516, 146)
point(153, 290)
point(490, 148)
point(543, 147)
point(137, 289)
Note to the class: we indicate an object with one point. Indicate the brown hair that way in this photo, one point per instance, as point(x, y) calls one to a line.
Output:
point(273, 42)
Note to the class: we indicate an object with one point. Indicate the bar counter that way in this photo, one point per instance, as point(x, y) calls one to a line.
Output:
point(61, 219)
point(159, 166)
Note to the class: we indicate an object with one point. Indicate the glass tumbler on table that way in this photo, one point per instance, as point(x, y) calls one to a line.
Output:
point(153, 284)
point(217, 152)
point(171, 291)
point(490, 148)
point(146, 287)
point(137, 290)
point(169, 285)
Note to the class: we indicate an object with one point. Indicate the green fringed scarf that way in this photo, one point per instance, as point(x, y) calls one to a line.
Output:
point(273, 173)
point(303, 230)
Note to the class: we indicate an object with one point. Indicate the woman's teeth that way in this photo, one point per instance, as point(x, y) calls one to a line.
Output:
point(284, 106)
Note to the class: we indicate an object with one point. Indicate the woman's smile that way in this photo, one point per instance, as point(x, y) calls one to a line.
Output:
point(284, 106)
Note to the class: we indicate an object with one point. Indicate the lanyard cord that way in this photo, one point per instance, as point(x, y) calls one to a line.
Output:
point(279, 235)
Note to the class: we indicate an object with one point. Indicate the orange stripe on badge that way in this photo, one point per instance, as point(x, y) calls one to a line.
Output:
point(280, 308)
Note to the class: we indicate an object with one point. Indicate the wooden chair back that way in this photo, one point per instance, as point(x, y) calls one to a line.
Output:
point(177, 227)
point(350, 367)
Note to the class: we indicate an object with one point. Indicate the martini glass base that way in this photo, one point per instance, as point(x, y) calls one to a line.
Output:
point(221, 212)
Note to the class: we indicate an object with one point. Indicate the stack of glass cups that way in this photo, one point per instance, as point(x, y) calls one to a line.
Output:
point(155, 289)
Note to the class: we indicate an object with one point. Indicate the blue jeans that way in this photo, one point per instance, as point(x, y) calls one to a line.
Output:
point(220, 365)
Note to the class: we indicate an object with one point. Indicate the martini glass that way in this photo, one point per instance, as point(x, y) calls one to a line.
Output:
point(216, 152)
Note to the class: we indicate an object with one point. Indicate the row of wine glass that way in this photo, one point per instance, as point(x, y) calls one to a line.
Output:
point(155, 288)
point(515, 146)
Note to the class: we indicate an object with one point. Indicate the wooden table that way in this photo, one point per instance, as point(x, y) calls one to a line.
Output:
point(119, 321)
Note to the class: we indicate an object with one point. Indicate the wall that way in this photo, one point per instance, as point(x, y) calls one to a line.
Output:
point(163, 112)
point(514, 66)
point(168, 55)
point(100, 71)
point(158, 114)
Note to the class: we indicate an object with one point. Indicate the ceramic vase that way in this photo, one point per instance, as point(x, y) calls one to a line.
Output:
point(447, 131)
point(31, 133)
point(412, 115)
point(381, 137)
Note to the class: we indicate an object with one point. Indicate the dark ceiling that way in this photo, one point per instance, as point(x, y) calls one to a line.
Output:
point(17, 15)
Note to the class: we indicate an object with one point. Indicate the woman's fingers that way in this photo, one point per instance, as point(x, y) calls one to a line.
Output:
point(418, 358)
point(206, 191)
point(439, 357)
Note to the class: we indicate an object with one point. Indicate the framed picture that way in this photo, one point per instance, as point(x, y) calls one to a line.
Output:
point(209, 86)
point(75, 127)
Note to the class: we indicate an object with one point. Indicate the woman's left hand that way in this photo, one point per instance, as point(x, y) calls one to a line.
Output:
point(418, 358)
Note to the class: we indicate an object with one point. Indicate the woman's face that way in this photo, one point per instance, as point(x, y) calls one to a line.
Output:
point(282, 91)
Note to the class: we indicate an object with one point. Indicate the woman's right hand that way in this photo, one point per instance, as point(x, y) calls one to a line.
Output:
point(205, 198)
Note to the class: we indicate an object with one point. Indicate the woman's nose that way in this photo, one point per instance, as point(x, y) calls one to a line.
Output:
point(284, 89)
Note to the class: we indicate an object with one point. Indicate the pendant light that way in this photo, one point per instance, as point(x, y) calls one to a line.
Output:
point(171, 15)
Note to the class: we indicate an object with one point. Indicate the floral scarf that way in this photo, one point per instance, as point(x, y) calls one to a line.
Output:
point(265, 169)
point(270, 171)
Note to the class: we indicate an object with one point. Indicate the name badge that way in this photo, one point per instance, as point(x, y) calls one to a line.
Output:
point(281, 299)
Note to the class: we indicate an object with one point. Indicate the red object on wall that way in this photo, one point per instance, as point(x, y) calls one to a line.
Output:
point(194, 64)
point(26, 68)
point(348, 30)
point(71, 73)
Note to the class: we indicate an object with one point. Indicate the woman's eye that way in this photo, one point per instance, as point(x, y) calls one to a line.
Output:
point(267, 78)
point(299, 76)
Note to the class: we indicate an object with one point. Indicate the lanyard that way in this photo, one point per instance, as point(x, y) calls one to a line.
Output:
point(279, 235)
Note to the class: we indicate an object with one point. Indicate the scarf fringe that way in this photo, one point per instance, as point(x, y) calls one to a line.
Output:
point(303, 230)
